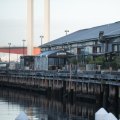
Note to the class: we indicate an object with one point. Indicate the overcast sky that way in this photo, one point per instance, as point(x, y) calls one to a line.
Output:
point(65, 14)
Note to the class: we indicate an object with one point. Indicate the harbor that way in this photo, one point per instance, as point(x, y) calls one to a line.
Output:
point(64, 85)
point(66, 67)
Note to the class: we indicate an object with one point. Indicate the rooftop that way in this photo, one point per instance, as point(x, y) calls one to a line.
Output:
point(111, 29)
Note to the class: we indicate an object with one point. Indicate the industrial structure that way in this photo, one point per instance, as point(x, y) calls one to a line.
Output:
point(30, 21)
point(46, 21)
point(30, 27)
point(19, 50)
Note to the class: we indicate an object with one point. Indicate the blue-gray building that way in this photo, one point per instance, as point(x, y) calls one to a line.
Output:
point(99, 40)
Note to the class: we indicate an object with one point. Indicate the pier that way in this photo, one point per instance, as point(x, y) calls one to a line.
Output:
point(63, 84)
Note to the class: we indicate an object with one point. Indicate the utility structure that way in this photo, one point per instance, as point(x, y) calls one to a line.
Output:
point(66, 31)
point(23, 47)
point(9, 53)
point(41, 38)
point(30, 28)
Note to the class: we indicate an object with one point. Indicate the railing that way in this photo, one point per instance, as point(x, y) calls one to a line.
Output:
point(86, 76)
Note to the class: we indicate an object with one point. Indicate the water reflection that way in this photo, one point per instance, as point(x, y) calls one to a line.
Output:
point(40, 107)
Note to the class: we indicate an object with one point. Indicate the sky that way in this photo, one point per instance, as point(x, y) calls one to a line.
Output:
point(72, 15)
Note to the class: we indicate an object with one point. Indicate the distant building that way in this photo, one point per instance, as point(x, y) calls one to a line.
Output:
point(51, 60)
point(27, 62)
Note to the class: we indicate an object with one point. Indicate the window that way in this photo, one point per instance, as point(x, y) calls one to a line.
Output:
point(61, 61)
point(115, 48)
point(78, 50)
point(98, 50)
point(94, 49)
point(51, 61)
point(119, 47)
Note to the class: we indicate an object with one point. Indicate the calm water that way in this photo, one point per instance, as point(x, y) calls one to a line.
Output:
point(38, 107)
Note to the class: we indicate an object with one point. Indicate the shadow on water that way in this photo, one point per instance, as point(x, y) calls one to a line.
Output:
point(42, 107)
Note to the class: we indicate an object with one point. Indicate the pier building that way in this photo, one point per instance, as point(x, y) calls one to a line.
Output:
point(93, 42)
point(52, 60)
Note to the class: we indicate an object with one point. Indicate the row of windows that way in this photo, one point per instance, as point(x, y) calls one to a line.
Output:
point(113, 48)
point(98, 49)
point(92, 49)
point(69, 46)
point(56, 61)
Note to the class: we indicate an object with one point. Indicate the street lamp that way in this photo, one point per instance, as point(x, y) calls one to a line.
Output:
point(66, 31)
point(23, 46)
point(41, 38)
point(9, 53)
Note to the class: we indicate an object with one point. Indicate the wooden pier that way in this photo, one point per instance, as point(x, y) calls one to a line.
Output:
point(89, 84)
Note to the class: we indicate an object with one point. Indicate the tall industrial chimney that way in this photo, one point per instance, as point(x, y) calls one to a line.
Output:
point(29, 27)
point(46, 21)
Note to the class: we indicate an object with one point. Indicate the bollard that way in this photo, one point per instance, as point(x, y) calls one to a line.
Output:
point(101, 114)
point(22, 116)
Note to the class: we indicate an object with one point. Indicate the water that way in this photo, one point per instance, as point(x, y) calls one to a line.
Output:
point(39, 107)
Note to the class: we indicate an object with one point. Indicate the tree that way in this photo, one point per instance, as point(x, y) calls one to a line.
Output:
point(89, 60)
point(100, 60)
point(117, 60)
point(73, 61)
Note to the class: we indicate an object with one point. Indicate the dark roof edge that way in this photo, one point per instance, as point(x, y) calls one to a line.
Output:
point(86, 40)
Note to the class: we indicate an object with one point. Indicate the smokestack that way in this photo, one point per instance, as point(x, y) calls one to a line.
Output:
point(46, 21)
point(29, 27)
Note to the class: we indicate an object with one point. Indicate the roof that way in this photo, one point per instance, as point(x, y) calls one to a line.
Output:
point(87, 34)
point(47, 53)
point(55, 53)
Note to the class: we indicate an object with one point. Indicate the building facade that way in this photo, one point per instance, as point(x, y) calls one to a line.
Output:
point(96, 41)
point(51, 60)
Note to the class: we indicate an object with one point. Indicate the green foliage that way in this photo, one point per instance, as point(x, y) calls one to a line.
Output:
point(115, 63)
point(80, 58)
point(100, 60)
point(72, 60)
point(97, 60)
point(89, 60)
point(112, 64)
point(117, 60)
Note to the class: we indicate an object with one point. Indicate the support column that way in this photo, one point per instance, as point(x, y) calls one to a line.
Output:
point(29, 27)
point(119, 92)
point(105, 96)
point(46, 21)
point(119, 100)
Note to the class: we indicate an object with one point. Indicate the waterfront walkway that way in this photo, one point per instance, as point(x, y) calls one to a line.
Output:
point(112, 78)
point(88, 84)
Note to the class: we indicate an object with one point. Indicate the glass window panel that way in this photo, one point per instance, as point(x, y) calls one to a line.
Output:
point(114, 47)
point(98, 49)
point(51, 61)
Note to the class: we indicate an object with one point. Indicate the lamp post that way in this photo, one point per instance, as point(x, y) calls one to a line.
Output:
point(9, 53)
point(41, 38)
point(66, 31)
point(23, 46)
